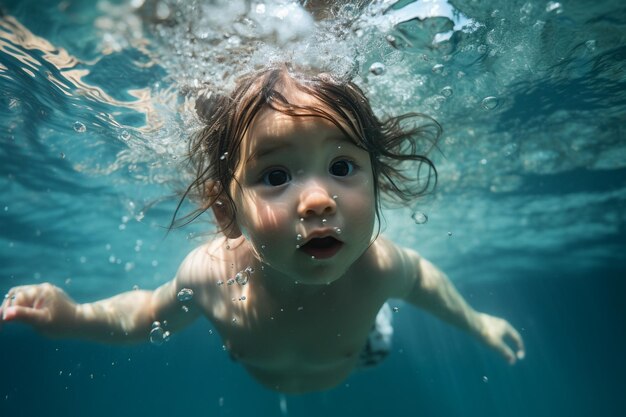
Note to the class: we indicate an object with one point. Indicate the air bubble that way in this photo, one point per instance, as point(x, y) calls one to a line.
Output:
point(185, 309)
point(324, 221)
point(185, 294)
point(449, 234)
point(242, 298)
point(377, 68)
point(396, 309)
point(437, 68)
point(125, 136)
point(489, 103)
point(485, 379)
point(243, 276)
point(337, 230)
point(230, 281)
point(297, 246)
point(62, 155)
point(156, 334)
point(80, 127)
point(419, 217)
point(220, 283)
point(298, 237)
point(446, 91)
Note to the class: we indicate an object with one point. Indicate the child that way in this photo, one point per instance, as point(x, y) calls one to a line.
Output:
point(294, 168)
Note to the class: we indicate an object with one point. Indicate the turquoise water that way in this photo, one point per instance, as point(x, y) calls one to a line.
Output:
point(528, 218)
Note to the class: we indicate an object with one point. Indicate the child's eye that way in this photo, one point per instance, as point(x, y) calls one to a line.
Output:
point(342, 168)
point(276, 177)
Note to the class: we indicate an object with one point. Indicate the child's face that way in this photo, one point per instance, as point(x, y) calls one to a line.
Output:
point(306, 197)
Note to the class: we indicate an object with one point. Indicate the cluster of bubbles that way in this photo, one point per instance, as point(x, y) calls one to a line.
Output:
point(158, 335)
point(241, 278)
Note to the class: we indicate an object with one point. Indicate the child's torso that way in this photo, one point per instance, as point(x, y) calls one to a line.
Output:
point(294, 342)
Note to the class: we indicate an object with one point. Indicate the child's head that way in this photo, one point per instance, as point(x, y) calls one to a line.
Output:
point(216, 151)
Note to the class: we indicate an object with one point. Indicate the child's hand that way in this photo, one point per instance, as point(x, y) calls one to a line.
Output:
point(496, 332)
point(45, 307)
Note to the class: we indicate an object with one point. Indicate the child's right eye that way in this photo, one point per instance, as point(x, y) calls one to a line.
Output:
point(276, 177)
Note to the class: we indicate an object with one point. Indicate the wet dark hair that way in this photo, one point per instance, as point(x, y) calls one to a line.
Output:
point(394, 145)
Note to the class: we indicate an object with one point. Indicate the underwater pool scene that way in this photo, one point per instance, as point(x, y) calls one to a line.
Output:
point(528, 218)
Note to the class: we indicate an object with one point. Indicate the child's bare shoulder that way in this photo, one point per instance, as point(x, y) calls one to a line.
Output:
point(199, 266)
point(391, 264)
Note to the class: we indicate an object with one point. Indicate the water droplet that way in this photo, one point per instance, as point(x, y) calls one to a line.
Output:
point(489, 103)
point(80, 127)
point(185, 294)
point(446, 91)
point(396, 309)
point(377, 68)
point(419, 217)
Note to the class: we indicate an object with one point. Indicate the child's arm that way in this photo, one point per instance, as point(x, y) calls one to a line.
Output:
point(124, 318)
point(430, 289)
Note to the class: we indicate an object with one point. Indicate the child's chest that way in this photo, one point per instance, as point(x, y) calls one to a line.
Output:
point(307, 333)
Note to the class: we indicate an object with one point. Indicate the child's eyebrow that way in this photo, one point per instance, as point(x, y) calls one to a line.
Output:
point(267, 149)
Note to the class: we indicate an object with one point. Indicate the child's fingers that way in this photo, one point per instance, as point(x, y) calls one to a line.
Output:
point(506, 351)
point(21, 296)
point(518, 341)
point(26, 315)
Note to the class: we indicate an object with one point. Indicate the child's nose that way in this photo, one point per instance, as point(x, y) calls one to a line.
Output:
point(315, 201)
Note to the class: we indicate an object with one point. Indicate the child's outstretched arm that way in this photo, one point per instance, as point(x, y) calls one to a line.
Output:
point(124, 318)
point(430, 289)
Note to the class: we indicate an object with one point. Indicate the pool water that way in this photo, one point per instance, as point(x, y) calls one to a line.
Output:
point(528, 218)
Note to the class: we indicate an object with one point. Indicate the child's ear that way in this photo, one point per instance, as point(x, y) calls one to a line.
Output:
point(225, 216)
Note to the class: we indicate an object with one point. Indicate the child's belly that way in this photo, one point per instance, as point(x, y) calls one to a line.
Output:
point(296, 379)
point(298, 358)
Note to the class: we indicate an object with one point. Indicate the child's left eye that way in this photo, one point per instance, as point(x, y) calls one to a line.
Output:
point(342, 168)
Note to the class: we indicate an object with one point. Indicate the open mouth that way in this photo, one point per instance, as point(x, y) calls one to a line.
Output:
point(322, 247)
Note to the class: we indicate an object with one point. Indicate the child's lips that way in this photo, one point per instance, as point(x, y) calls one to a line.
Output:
point(322, 247)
